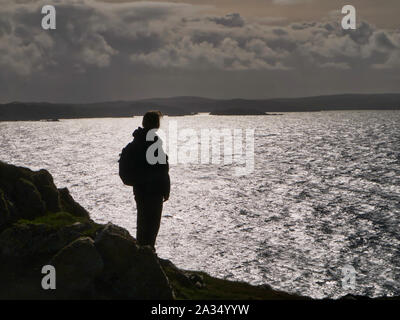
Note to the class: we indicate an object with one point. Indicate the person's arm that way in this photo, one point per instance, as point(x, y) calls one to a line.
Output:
point(166, 180)
point(167, 187)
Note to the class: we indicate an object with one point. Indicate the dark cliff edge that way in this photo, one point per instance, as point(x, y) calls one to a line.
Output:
point(42, 225)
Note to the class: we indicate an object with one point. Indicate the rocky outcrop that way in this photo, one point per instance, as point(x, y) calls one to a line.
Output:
point(42, 225)
point(78, 265)
point(132, 271)
point(25, 194)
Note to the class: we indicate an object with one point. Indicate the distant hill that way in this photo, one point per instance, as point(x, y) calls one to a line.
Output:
point(188, 105)
point(42, 110)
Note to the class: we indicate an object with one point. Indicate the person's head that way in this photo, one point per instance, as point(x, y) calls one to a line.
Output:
point(151, 120)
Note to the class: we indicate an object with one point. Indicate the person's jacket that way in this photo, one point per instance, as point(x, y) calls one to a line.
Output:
point(149, 179)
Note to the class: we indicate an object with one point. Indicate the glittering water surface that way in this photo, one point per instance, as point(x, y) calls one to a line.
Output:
point(325, 193)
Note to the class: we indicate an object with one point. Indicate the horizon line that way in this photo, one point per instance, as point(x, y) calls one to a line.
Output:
point(203, 97)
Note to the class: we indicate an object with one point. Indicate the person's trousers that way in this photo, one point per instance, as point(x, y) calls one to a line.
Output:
point(149, 208)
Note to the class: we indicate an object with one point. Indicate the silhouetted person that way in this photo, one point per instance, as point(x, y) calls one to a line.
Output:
point(151, 184)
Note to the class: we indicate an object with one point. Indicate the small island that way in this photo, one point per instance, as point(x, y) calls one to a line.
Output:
point(238, 112)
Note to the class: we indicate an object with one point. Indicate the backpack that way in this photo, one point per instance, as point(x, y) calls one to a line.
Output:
point(126, 165)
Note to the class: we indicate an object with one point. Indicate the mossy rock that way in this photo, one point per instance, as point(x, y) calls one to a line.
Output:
point(28, 199)
point(44, 235)
point(77, 265)
point(47, 189)
point(130, 271)
point(31, 194)
point(68, 204)
point(9, 174)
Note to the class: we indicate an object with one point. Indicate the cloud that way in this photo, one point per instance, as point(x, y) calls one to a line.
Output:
point(230, 20)
point(290, 1)
point(146, 37)
point(167, 35)
point(250, 46)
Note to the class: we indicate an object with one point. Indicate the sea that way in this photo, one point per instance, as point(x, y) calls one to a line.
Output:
point(318, 214)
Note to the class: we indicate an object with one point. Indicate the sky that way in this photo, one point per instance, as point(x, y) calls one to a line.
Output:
point(255, 49)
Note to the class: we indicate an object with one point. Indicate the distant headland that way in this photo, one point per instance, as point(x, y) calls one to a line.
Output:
point(180, 106)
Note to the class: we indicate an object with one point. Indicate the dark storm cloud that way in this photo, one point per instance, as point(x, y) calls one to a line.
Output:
point(230, 20)
point(109, 45)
